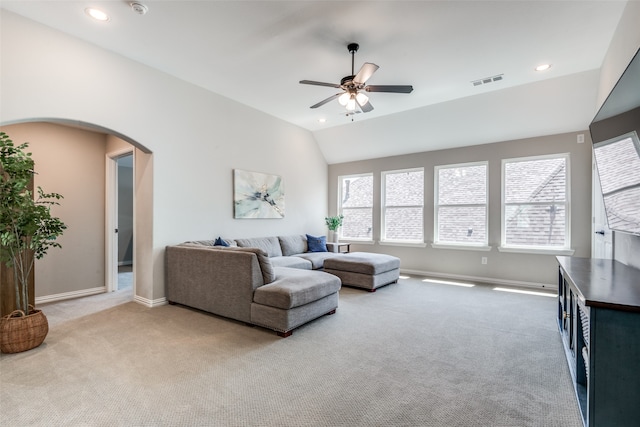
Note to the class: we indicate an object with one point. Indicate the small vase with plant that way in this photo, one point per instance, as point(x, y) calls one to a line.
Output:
point(27, 232)
point(333, 223)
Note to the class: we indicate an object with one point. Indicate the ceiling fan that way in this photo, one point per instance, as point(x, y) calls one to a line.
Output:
point(353, 86)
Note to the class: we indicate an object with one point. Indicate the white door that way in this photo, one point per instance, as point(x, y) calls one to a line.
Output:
point(601, 237)
point(111, 223)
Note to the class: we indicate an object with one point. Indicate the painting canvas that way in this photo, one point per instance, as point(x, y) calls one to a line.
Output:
point(258, 195)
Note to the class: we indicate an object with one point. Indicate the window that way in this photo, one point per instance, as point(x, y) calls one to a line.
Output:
point(355, 202)
point(403, 205)
point(461, 204)
point(535, 196)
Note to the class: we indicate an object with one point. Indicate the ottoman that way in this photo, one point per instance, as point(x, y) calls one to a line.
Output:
point(364, 270)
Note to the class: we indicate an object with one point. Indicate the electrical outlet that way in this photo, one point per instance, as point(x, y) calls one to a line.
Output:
point(484, 260)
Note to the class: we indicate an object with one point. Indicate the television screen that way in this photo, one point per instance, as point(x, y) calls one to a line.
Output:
point(618, 164)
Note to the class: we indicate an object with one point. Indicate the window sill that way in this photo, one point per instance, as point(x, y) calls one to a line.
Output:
point(540, 251)
point(357, 242)
point(461, 247)
point(406, 244)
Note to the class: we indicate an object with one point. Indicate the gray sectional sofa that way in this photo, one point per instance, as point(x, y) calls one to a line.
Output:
point(271, 282)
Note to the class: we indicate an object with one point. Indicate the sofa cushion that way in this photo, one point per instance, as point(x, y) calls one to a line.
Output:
point(317, 244)
point(291, 262)
point(209, 242)
point(294, 288)
point(293, 245)
point(198, 243)
point(271, 245)
point(317, 258)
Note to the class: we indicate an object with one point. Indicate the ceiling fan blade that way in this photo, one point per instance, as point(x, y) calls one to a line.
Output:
point(311, 82)
point(366, 71)
point(392, 88)
point(366, 107)
point(324, 101)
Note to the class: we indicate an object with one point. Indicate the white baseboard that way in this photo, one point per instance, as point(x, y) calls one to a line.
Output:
point(70, 295)
point(150, 303)
point(93, 291)
point(489, 280)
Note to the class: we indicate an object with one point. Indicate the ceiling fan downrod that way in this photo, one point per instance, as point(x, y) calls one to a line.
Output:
point(353, 48)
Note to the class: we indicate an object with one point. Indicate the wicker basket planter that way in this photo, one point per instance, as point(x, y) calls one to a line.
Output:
point(22, 332)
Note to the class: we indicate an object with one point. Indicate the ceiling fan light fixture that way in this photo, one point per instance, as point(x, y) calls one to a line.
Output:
point(344, 98)
point(351, 104)
point(362, 98)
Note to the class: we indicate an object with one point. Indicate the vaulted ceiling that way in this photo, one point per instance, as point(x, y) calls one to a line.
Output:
point(256, 52)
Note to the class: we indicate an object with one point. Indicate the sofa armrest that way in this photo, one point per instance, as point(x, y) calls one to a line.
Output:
point(219, 281)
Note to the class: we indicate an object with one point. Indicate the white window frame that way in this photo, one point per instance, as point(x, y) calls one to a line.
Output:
point(383, 208)
point(341, 178)
point(484, 246)
point(537, 249)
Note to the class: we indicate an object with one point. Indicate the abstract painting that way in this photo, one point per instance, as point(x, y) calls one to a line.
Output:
point(258, 195)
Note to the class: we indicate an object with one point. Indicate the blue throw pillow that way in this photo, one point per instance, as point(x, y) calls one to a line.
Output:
point(317, 244)
point(220, 242)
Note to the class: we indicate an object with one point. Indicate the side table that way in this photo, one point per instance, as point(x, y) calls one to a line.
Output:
point(343, 247)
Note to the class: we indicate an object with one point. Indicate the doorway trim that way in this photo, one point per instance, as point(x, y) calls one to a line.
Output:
point(111, 217)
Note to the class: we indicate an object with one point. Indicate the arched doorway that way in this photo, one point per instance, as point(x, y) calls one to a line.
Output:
point(75, 272)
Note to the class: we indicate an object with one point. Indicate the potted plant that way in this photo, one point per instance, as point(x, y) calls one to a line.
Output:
point(333, 223)
point(27, 232)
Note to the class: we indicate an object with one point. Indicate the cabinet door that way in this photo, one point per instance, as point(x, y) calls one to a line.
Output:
point(563, 299)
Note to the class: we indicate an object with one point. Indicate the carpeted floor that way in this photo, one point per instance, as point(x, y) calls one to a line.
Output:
point(410, 354)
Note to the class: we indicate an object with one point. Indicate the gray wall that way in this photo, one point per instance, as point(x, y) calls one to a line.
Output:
point(526, 269)
point(625, 44)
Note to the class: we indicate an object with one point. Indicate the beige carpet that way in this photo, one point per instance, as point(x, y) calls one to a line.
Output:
point(410, 354)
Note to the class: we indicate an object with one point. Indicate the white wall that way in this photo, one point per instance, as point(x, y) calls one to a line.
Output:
point(524, 269)
point(625, 44)
point(196, 139)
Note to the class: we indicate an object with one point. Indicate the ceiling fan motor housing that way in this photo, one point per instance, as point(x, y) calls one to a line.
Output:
point(347, 82)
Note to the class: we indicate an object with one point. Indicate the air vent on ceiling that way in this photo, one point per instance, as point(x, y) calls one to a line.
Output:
point(486, 80)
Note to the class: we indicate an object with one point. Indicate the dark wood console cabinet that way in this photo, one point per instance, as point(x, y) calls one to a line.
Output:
point(599, 321)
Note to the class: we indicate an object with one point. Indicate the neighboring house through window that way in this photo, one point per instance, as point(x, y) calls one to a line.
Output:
point(461, 205)
point(355, 202)
point(403, 206)
point(535, 203)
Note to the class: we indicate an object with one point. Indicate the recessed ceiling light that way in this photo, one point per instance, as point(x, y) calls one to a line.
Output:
point(543, 67)
point(322, 120)
point(96, 14)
